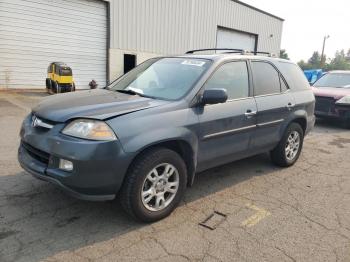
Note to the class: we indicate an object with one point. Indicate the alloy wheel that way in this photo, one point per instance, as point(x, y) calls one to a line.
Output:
point(160, 187)
point(292, 145)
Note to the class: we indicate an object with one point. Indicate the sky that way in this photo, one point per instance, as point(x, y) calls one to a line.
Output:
point(307, 22)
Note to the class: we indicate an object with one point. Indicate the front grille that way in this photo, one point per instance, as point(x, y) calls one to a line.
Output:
point(65, 88)
point(35, 153)
point(324, 104)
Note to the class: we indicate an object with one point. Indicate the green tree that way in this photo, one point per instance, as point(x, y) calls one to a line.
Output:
point(315, 60)
point(348, 56)
point(284, 54)
point(339, 62)
point(304, 65)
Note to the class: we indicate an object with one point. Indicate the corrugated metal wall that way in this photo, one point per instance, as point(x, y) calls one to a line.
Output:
point(37, 32)
point(174, 26)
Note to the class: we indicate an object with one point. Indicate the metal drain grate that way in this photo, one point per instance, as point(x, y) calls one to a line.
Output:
point(213, 220)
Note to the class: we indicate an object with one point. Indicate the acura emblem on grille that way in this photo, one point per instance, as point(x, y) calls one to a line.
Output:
point(38, 122)
point(34, 121)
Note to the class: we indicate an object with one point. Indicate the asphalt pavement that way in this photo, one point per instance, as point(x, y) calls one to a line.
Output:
point(248, 210)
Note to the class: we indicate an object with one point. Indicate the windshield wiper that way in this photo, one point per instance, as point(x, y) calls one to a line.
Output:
point(130, 92)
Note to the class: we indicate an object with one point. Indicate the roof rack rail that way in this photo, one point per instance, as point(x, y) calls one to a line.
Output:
point(260, 52)
point(214, 49)
point(231, 51)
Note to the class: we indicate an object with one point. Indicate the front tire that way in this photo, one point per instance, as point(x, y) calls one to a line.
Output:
point(48, 84)
point(155, 185)
point(54, 87)
point(288, 150)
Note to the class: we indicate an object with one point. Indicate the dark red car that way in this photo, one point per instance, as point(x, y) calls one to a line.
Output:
point(332, 93)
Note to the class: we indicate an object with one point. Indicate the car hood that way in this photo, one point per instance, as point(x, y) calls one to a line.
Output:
point(333, 92)
point(97, 104)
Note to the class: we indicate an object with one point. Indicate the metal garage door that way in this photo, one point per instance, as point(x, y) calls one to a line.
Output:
point(227, 38)
point(34, 33)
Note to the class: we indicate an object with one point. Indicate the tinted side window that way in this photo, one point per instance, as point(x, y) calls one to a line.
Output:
point(266, 79)
point(233, 77)
point(294, 76)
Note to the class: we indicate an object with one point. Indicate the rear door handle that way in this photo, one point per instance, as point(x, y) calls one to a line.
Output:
point(250, 113)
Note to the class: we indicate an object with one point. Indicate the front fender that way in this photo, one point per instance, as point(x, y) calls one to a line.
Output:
point(180, 134)
point(147, 128)
point(144, 140)
point(139, 130)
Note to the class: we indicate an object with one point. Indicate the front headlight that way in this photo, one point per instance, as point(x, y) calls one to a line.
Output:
point(89, 129)
point(344, 101)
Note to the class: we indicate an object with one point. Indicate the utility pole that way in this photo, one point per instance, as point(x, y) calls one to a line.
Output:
point(322, 55)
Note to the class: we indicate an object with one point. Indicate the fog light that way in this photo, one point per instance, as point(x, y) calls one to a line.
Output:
point(65, 165)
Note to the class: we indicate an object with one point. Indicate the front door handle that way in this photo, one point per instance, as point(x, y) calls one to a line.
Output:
point(250, 113)
point(290, 105)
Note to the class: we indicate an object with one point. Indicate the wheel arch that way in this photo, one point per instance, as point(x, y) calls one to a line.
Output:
point(299, 117)
point(301, 121)
point(180, 146)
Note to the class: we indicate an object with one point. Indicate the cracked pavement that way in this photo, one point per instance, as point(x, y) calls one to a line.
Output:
point(308, 206)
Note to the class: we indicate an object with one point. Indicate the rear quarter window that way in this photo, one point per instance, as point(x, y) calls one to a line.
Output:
point(294, 76)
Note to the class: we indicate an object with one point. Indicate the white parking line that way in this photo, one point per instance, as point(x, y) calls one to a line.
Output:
point(15, 102)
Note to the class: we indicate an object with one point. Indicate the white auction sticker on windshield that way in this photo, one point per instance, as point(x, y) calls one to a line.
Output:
point(193, 62)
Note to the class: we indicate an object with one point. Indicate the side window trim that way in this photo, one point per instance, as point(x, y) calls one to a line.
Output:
point(250, 91)
point(251, 80)
point(293, 75)
point(280, 76)
point(282, 79)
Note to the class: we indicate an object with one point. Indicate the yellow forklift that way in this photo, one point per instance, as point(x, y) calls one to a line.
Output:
point(59, 78)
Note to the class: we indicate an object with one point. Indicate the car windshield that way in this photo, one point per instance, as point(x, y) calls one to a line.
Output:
point(162, 78)
point(338, 80)
point(65, 72)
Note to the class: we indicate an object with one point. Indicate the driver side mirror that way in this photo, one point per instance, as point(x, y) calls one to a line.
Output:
point(214, 96)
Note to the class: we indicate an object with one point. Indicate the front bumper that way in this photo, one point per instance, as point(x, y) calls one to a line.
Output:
point(341, 114)
point(66, 88)
point(327, 107)
point(99, 166)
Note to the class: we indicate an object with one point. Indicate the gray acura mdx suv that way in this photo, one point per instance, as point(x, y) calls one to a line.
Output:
point(146, 135)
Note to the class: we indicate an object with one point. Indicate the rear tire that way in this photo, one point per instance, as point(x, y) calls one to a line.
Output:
point(146, 191)
point(59, 88)
point(288, 150)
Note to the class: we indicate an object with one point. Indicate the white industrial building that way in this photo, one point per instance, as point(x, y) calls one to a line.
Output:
point(102, 39)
